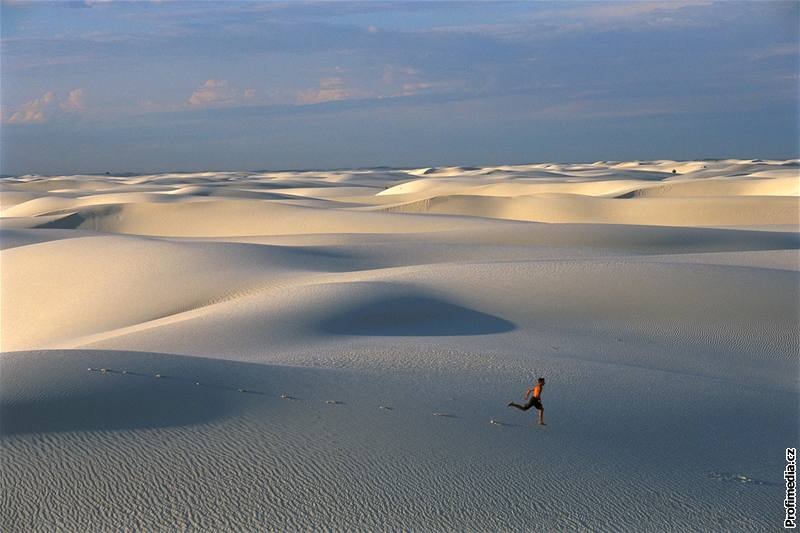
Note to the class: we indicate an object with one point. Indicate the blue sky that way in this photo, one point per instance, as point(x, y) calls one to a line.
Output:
point(156, 86)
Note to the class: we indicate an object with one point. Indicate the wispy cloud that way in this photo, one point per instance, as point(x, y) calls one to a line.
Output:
point(212, 92)
point(789, 49)
point(590, 17)
point(403, 80)
point(395, 80)
point(74, 101)
point(331, 89)
point(34, 111)
point(47, 106)
point(626, 10)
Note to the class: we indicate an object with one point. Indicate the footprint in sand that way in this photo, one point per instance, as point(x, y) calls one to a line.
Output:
point(736, 478)
point(288, 397)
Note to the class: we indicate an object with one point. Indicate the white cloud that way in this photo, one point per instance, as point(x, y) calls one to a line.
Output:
point(776, 51)
point(593, 17)
point(33, 112)
point(45, 107)
point(627, 10)
point(408, 81)
point(74, 101)
point(330, 90)
point(394, 81)
point(212, 92)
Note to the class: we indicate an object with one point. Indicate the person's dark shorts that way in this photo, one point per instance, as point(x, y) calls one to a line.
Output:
point(534, 402)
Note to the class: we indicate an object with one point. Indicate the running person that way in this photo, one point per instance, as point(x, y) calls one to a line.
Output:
point(535, 400)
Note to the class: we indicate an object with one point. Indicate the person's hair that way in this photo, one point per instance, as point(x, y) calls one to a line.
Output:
point(541, 380)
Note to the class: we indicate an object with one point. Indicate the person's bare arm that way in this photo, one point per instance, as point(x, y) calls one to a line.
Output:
point(528, 393)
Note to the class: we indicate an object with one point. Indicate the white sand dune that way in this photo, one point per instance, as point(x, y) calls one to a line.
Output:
point(275, 346)
point(754, 185)
point(209, 218)
point(563, 208)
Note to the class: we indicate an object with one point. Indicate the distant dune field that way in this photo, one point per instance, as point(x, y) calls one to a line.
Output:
point(335, 349)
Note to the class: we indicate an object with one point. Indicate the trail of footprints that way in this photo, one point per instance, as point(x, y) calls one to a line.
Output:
point(250, 391)
point(720, 476)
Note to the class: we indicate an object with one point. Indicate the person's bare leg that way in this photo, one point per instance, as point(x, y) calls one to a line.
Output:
point(541, 417)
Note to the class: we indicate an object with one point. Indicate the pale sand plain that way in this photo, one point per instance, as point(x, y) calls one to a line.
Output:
point(307, 328)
